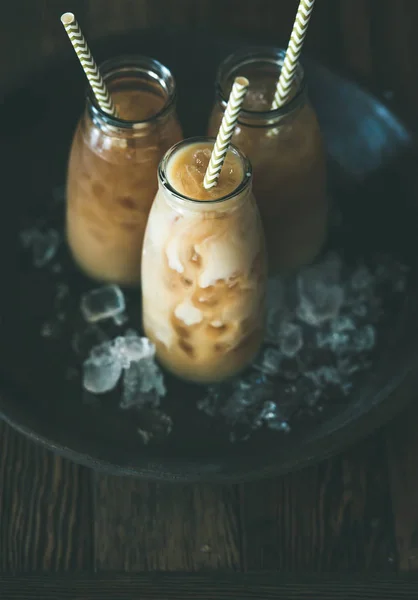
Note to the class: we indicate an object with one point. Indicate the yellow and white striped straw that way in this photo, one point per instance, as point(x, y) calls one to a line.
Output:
point(226, 131)
point(88, 63)
point(290, 63)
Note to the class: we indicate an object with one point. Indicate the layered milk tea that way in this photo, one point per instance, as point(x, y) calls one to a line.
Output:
point(286, 150)
point(203, 266)
point(112, 172)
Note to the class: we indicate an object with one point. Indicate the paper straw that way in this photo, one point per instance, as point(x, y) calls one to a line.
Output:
point(87, 61)
point(226, 131)
point(290, 63)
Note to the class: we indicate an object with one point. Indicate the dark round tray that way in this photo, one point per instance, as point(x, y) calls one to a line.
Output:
point(373, 173)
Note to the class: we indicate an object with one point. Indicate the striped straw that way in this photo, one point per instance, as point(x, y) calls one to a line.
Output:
point(226, 131)
point(90, 68)
point(290, 63)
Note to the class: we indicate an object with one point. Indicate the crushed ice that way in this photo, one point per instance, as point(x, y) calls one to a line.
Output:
point(43, 244)
point(320, 332)
point(102, 303)
point(132, 355)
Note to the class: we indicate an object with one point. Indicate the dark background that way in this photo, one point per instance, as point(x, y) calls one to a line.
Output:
point(355, 512)
point(374, 40)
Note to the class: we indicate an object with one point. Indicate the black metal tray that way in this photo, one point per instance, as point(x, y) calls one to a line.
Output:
point(373, 167)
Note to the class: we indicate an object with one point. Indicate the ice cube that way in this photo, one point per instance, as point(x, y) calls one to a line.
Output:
point(336, 341)
point(193, 180)
point(342, 323)
point(279, 425)
point(201, 159)
point(102, 303)
point(268, 411)
point(318, 302)
point(120, 319)
point(320, 292)
point(324, 376)
point(235, 407)
point(151, 377)
point(364, 339)
point(44, 245)
point(346, 366)
point(269, 362)
point(290, 339)
point(102, 369)
point(258, 99)
point(131, 348)
point(133, 393)
point(209, 404)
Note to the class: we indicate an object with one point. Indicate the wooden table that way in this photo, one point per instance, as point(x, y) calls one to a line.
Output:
point(356, 513)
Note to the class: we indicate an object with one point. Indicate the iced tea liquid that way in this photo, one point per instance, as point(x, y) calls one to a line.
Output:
point(287, 153)
point(112, 171)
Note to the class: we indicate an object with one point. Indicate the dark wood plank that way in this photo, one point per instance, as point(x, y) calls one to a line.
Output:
point(150, 526)
point(45, 510)
point(402, 441)
point(332, 517)
point(38, 24)
point(184, 586)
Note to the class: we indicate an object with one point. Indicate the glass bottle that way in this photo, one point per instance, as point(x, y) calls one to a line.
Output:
point(203, 269)
point(287, 154)
point(112, 171)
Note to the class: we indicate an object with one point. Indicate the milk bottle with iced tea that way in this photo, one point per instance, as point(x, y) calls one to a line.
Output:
point(203, 266)
point(287, 154)
point(112, 171)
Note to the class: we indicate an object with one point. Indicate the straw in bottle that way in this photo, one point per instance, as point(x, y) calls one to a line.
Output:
point(226, 131)
point(293, 52)
point(88, 63)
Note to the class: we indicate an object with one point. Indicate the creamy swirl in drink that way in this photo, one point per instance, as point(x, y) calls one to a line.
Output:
point(203, 266)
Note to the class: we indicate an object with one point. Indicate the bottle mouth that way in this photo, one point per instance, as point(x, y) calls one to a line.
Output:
point(152, 75)
point(186, 200)
point(257, 63)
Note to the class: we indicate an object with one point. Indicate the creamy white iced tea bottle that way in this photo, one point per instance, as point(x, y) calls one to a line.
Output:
point(204, 266)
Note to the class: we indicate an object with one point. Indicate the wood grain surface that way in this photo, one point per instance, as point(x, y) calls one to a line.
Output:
point(165, 527)
point(45, 509)
point(355, 512)
point(257, 586)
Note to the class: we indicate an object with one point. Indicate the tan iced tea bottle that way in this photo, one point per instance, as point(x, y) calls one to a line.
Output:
point(203, 266)
point(112, 171)
point(286, 150)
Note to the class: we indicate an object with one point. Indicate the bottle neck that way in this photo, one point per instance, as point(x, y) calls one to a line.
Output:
point(262, 66)
point(185, 204)
point(144, 92)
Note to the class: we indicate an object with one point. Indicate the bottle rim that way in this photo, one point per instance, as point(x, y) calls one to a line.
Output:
point(142, 67)
point(182, 198)
point(255, 55)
